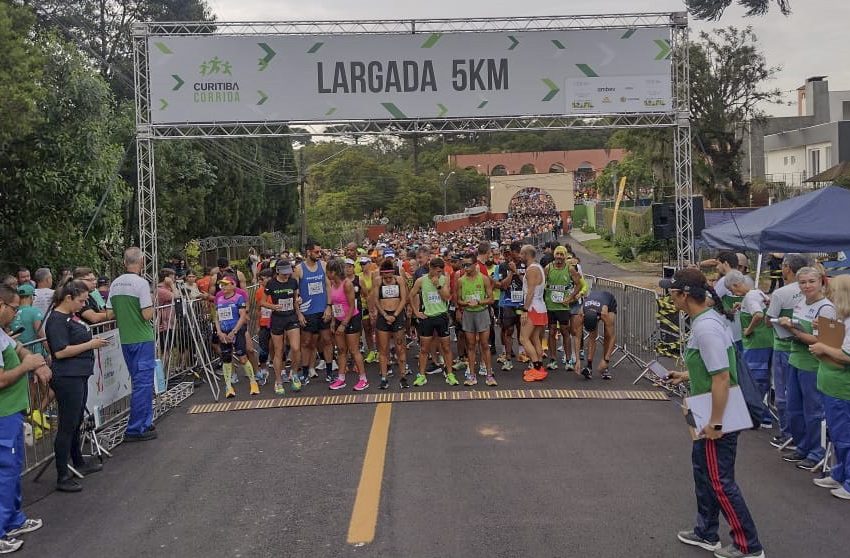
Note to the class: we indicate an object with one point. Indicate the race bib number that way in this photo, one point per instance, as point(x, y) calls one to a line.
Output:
point(286, 304)
point(338, 311)
point(315, 288)
point(434, 298)
point(558, 297)
point(265, 313)
point(225, 314)
point(517, 296)
point(472, 298)
point(390, 291)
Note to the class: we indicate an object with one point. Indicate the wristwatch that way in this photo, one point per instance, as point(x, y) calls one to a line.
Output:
point(717, 427)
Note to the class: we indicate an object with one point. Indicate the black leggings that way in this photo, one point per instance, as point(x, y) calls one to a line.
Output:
point(71, 393)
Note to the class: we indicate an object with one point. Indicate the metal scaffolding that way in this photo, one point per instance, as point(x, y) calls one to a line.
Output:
point(678, 118)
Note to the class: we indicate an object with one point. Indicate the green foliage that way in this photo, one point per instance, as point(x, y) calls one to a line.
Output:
point(636, 168)
point(628, 222)
point(713, 9)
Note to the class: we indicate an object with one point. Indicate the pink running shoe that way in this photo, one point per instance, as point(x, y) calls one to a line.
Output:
point(361, 384)
point(339, 383)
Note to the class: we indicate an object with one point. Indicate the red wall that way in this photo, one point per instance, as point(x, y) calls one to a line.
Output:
point(374, 231)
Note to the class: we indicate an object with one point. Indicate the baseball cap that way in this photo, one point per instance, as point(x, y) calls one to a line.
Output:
point(26, 290)
point(227, 279)
point(102, 280)
point(560, 251)
point(364, 259)
point(591, 319)
point(690, 281)
point(283, 267)
point(349, 261)
point(389, 254)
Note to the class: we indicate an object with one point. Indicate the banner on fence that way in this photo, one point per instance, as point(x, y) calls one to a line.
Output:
point(111, 379)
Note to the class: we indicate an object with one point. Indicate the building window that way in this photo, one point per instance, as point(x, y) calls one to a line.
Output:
point(815, 162)
point(845, 110)
point(827, 156)
point(793, 160)
point(785, 161)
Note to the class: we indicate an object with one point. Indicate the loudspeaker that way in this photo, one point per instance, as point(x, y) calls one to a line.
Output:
point(664, 219)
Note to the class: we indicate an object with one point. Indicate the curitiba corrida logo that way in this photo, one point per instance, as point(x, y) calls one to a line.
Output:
point(217, 89)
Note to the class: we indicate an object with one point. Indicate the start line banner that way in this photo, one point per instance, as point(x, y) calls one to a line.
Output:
point(111, 379)
point(201, 79)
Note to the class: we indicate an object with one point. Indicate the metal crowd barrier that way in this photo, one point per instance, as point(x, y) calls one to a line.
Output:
point(177, 351)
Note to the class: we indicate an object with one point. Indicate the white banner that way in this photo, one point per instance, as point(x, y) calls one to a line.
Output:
point(260, 78)
point(111, 379)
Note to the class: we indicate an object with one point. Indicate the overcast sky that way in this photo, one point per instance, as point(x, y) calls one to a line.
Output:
point(812, 41)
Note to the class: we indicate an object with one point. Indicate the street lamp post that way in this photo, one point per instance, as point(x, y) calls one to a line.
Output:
point(445, 188)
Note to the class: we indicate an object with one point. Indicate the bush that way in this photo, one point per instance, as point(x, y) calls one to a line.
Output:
point(606, 235)
point(626, 247)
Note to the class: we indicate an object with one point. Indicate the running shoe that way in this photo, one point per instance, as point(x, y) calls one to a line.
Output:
point(535, 375)
point(523, 358)
point(827, 482)
point(286, 375)
point(278, 389)
point(390, 371)
point(322, 365)
point(779, 441)
point(586, 372)
point(482, 370)
point(230, 393)
point(385, 383)
point(440, 360)
point(581, 354)
point(459, 365)
point(372, 357)
point(491, 380)
point(692, 539)
point(808, 465)
point(296, 383)
point(334, 366)
point(731, 551)
point(469, 379)
point(508, 365)
point(793, 457)
point(451, 379)
point(420, 380)
point(263, 376)
point(841, 493)
point(255, 388)
point(571, 365)
point(404, 383)
point(339, 383)
point(503, 358)
point(304, 380)
point(553, 364)
point(606, 375)
point(29, 526)
point(361, 384)
point(9, 544)
point(330, 376)
point(433, 369)
point(313, 373)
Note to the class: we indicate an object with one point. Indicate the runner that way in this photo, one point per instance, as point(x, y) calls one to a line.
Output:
point(263, 325)
point(511, 271)
point(388, 299)
point(347, 325)
point(600, 304)
point(474, 294)
point(533, 317)
point(313, 288)
point(563, 284)
point(284, 300)
point(429, 300)
point(231, 320)
point(363, 286)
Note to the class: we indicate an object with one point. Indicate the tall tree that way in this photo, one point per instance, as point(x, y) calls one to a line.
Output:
point(20, 74)
point(713, 9)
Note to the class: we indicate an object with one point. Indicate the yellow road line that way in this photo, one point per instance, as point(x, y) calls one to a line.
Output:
point(364, 516)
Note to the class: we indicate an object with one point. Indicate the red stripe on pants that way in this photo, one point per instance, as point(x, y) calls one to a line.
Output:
point(731, 516)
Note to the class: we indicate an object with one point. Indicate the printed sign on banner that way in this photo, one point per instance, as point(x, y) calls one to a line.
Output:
point(313, 78)
point(111, 379)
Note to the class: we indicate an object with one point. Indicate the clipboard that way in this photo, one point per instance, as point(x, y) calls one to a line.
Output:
point(736, 417)
point(831, 333)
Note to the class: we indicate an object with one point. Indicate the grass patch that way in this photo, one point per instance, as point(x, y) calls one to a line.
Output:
point(603, 248)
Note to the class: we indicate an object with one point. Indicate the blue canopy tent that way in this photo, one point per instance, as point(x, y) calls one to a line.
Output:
point(815, 222)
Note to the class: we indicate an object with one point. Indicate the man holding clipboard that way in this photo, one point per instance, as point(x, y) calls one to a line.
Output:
point(712, 369)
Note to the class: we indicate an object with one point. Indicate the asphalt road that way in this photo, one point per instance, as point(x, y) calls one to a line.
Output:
point(538, 478)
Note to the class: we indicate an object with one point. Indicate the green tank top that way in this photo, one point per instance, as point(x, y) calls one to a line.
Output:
point(472, 290)
point(432, 303)
point(497, 293)
point(559, 285)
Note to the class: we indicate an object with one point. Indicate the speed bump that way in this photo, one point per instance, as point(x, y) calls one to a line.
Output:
point(424, 396)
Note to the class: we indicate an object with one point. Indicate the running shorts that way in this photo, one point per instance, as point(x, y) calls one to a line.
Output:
point(434, 326)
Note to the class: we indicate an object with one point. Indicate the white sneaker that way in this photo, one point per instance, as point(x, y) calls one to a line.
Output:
point(840, 493)
point(321, 365)
point(9, 545)
point(827, 482)
point(334, 366)
point(29, 526)
point(313, 373)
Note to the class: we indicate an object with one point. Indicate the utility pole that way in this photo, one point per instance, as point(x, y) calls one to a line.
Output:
point(302, 180)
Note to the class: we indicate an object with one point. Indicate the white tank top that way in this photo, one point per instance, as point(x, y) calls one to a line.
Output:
point(537, 302)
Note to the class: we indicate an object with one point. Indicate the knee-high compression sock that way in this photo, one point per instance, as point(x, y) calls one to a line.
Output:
point(249, 370)
point(227, 368)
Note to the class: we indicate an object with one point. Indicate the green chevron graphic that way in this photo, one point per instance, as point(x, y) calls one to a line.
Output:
point(514, 42)
point(330, 111)
point(264, 61)
point(315, 48)
point(263, 97)
point(587, 70)
point(394, 110)
point(483, 104)
point(179, 81)
point(443, 110)
point(553, 89)
point(628, 34)
point(163, 104)
point(163, 48)
point(558, 44)
point(665, 47)
point(432, 40)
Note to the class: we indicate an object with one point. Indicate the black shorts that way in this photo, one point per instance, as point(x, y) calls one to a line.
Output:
point(237, 348)
point(398, 325)
point(281, 324)
point(436, 326)
point(315, 323)
point(508, 316)
point(354, 326)
point(563, 317)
